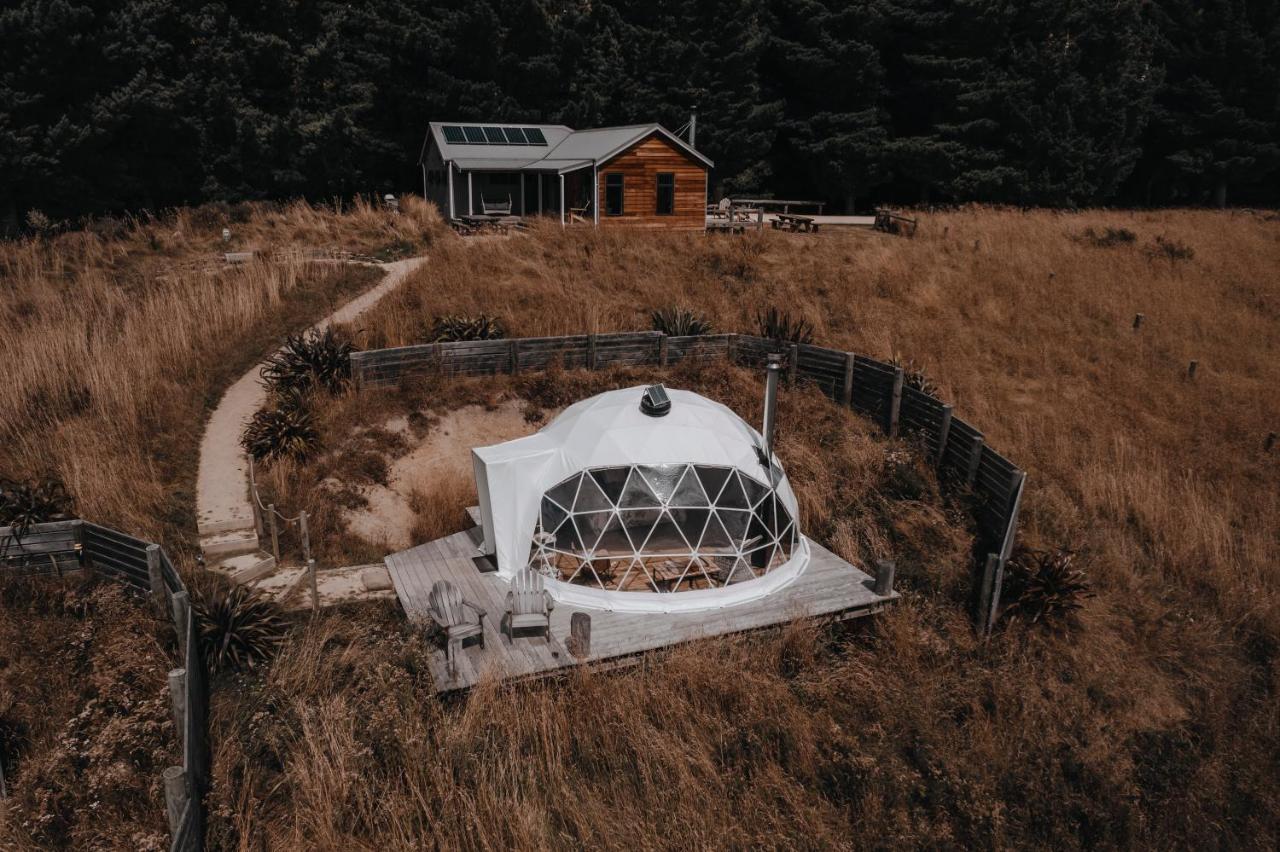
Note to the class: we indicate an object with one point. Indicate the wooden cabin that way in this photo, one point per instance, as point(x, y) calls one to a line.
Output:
point(637, 176)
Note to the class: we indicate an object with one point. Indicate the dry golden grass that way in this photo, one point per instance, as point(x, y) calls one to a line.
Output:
point(1154, 724)
point(115, 343)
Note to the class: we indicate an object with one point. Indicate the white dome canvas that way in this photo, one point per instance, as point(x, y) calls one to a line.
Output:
point(626, 511)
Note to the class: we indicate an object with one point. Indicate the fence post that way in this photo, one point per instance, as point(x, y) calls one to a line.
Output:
point(793, 368)
point(306, 536)
point(895, 402)
point(846, 395)
point(178, 698)
point(944, 432)
point(662, 351)
point(591, 351)
point(159, 592)
point(513, 355)
point(884, 577)
point(975, 457)
point(315, 592)
point(986, 609)
point(275, 532)
point(175, 797)
point(580, 634)
point(181, 612)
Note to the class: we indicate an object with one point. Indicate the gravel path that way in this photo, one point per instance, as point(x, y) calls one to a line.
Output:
point(222, 488)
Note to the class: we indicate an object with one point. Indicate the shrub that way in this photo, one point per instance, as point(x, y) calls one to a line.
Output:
point(452, 328)
point(23, 504)
point(285, 430)
point(680, 322)
point(1044, 587)
point(308, 361)
point(1108, 237)
point(236, 627)
point(1171, 250)
point(780, 326)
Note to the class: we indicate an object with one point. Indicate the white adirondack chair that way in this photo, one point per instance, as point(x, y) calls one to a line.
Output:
point(448, 610)
point(529, 604)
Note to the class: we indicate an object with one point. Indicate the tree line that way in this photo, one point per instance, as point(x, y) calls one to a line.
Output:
point(109, 105)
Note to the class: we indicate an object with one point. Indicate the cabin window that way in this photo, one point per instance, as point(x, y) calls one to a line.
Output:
point(613, 194)
point(666, 193)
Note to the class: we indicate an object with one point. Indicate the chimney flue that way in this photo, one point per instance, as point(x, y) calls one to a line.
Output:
point(772, 369)
point(693, 129)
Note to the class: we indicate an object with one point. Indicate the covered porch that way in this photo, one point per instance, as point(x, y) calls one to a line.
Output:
point(514, 193)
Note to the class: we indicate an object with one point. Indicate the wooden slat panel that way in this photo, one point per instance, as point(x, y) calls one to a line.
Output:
point(640, 166)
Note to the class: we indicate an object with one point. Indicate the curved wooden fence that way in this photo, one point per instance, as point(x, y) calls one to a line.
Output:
point(874, 389)
point(65, 548)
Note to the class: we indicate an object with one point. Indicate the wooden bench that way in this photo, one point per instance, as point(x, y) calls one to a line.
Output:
point(794, 223)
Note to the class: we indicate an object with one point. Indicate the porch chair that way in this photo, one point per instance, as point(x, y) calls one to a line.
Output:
point(529, 604)
point(495, 208)
point(448, 610)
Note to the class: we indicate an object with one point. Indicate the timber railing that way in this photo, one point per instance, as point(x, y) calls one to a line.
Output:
point(873, 388)
point(67, 548)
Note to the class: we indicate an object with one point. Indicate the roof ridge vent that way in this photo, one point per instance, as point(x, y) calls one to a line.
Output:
point(654, 401)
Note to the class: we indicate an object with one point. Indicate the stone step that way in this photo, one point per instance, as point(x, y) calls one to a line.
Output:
point(247, 567)
point(226, 544)
point(225, 525)
point(283, 585)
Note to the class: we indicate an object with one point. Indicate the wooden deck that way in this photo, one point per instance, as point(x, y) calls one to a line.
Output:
point(829, 587)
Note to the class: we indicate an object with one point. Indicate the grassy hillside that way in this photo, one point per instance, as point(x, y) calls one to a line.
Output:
point(1153, 722)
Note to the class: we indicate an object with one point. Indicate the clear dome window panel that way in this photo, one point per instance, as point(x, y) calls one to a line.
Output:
point(733, 497)
point(637, 494)
point(663, 479)
point(607, 571)
point(612, 480)
point(666, 538)
point(639, 523)
point(758, 533)
point(565, 492)
point(637, 578)
point(715, 538)
point(590, 526)
point(691, 522)
point(614, 541)
point(568, 538)
point(590, 497)
point(742, 571)
point(787, 539)
point(713, 479)
point(735, 523)
point(767, 511)
point(756, 491)
point(686, 576)
point(571, 568)
point(700, 576)
point(720, 568)
point(689, 492)
point(552, 516)
point(759, 558)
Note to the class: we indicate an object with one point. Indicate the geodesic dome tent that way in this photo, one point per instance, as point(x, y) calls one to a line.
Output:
point(627, 511)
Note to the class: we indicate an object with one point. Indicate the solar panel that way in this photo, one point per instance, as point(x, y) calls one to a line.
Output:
point(454, 135)
point(475, 135)
point(495, 136)
point(515, 135)
point(534, 135)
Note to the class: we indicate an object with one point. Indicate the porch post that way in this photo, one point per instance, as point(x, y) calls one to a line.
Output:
point(471, 209)
point(449, 166)
point(562, 201)
point(595, 195)
point(523, 211)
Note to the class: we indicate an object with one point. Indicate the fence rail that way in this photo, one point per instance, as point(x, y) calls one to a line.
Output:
point(76, 546)
point(873, 388)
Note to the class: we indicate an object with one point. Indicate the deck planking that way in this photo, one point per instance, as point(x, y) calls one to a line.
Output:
point(829, 587)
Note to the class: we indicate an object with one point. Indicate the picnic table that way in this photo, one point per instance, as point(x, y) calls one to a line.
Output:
point(794, 223)
point(894, 223)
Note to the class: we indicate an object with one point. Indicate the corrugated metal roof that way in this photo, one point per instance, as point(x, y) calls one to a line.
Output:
point(566, 149)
